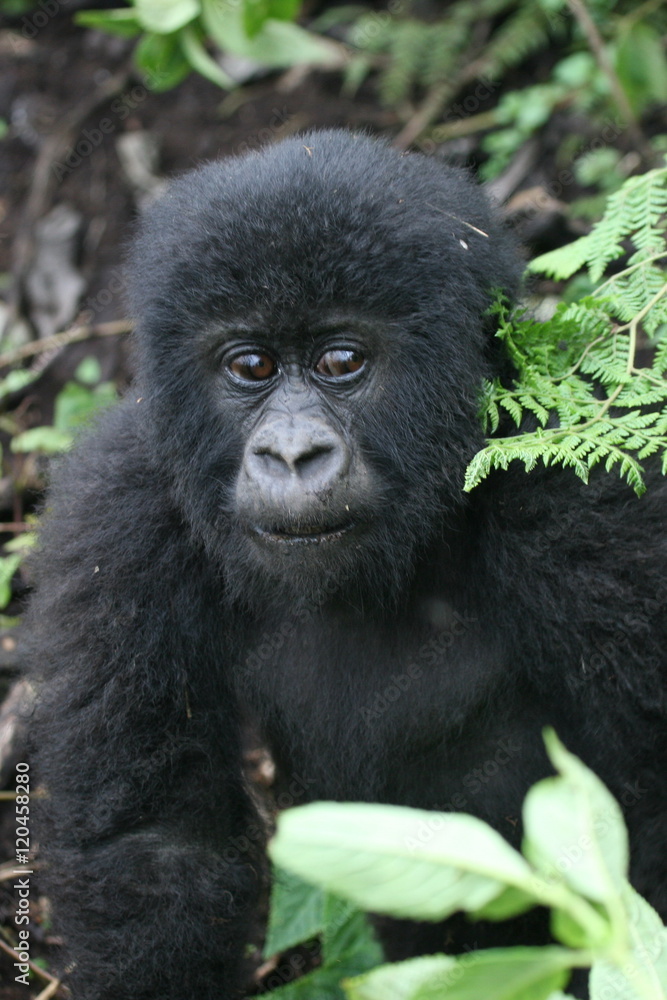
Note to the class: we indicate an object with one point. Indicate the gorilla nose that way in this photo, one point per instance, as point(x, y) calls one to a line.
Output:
point(311, 453)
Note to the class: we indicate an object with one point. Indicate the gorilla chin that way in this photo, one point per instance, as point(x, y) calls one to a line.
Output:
point(300, 555)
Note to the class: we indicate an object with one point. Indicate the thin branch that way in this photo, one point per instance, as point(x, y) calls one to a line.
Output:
point(53, 982)
point(597, 47)
point(59, 340)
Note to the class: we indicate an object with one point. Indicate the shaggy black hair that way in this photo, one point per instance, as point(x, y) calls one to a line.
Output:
point(416, 664)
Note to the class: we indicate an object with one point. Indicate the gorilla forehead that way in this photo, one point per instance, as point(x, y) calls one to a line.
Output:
point(319, 220)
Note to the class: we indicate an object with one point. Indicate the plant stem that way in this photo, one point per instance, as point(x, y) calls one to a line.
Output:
point(597, 46)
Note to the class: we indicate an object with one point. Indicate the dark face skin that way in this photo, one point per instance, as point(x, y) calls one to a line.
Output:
point(304, 483)
point(333, 458)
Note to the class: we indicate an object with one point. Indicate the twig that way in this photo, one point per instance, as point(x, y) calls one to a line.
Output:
point(71, 336)
point(53, 982)
point(597, 47)
point(49, 991)
point(438, 96)
point(430, 108)
point(8, 869)
point(459, 127)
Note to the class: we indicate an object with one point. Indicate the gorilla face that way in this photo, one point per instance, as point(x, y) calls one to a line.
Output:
point(306, 354)
point(319, 486)
point(303, 480)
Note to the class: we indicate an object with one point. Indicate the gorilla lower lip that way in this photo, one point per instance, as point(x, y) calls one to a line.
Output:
point(303, 535)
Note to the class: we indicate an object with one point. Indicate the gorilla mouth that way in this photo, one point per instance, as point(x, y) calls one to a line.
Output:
point(303, 534)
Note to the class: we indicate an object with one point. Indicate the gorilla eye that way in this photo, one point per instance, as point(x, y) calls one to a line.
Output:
point(252, 367)
point(339, 363)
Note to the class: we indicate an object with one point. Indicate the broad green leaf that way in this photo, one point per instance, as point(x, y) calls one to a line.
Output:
point(641, 66)
point(255, 14)
point(8, 566)
point(277, 44)
point(400, 980)
point(161, 60)
point(509, 903)
point(201, 60)
point(495, 974)
point(50, 440)
point(76, 404)
point(322, 984)
point(348, 934)
point(569, 931)
point(406, 862)
point(123, 22)
point(165, 16)
point(574, 829)
point(281, 43)
point(642, 973)
point(284, 10)
point(297, 913)
point(348, 949)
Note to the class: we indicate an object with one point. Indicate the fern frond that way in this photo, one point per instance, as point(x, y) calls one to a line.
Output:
point(524, 32)
point(565, 261)
point(408, 48)
point(637, 210)
point(576, 374)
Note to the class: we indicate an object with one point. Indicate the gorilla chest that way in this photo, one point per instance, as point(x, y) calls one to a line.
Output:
point(380, 710)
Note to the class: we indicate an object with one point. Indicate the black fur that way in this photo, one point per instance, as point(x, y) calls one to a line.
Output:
point(415, 660)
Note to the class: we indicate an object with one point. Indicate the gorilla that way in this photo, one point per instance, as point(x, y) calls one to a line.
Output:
point(271, 526)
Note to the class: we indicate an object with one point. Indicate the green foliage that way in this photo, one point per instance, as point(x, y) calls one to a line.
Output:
point(519, 974)
point(15, 380)
point(640, 63)
point(417, 54)
point(412, 55)
point(15, 551)
point(177, 36)
point(577, 376)
point(8, 567)
point(425, 865)
point(76, 404)
point(14, 8)
point(578, 81)
point(301, 913)
point(602, 170)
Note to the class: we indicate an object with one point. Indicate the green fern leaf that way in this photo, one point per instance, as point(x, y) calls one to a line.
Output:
point(577, 373)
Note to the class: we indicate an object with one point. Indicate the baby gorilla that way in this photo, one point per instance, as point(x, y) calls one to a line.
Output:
point(273, 522)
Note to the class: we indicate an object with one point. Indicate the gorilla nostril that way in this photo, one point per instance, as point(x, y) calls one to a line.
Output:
point(317, 457)
point(309, 460)
point(268, 460)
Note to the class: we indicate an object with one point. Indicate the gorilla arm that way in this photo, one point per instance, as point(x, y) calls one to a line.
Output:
point(140, 759)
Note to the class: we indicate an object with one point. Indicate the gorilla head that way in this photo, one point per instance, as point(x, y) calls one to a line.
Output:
point(315, 309)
